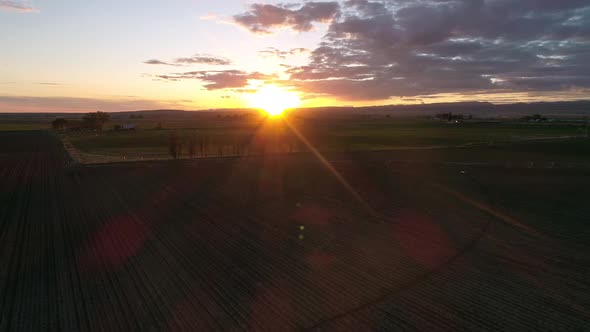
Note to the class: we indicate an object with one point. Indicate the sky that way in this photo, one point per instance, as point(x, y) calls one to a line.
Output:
point(70, 55)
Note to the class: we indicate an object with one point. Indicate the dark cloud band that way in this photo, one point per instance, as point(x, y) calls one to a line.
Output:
point(197, 59)
point(18, 6)
point(375, 50)
point(261, 18)
point(216, 80)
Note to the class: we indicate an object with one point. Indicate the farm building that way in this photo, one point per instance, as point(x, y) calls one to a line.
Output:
point(126, 126)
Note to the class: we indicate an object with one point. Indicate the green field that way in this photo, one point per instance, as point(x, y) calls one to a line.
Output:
point(407, 138)
point(27, 126)
point(494, 140)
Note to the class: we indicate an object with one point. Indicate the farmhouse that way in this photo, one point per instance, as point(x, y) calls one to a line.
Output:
point(126, 126)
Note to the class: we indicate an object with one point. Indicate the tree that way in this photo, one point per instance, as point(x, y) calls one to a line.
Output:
point(59, 123)
point(192, 145)
point(179, 148)
point(173, 145)
point(96, 120)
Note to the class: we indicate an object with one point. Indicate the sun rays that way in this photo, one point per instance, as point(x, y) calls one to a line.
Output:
point(274, 100)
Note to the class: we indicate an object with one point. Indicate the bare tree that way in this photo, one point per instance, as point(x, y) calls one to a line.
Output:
point(96, 120)
point(204, 145)
point(179, 148)
point(173, 145)
point(192, 145)
point(59, 123)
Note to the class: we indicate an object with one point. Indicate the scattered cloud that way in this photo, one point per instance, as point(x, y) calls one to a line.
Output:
point(375, 50)
point(49, 83)
point(220, 79)
point(17, 6)
point(205, 60)
point(198, 59)
point(157, 62)
point(66, 104)
point(262, 18)
point(270, 52)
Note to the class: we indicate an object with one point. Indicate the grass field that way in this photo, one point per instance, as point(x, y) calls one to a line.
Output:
point(340, 136)
point(280, 243)
point(24, 126)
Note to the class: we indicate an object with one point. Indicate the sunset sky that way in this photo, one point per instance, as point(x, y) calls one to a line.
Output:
point(71, 55)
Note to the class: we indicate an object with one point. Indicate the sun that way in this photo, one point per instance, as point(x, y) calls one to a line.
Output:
point(274, 100)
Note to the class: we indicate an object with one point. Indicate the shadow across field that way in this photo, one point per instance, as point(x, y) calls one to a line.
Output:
point(279, 243)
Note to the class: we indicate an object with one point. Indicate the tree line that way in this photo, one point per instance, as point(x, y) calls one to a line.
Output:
point(92, 121)
point(196, 144)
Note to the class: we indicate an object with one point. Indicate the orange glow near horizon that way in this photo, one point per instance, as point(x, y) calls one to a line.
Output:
point(274, 100)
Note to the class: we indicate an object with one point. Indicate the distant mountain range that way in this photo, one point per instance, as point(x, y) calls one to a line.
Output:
point(477, 109)
point(474, 108)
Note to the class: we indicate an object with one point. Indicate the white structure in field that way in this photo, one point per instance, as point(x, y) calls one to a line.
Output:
point(129, 126)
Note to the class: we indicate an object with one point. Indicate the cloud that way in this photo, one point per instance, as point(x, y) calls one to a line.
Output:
point(198, 59)
point(49, 83)
point(375, 50)
point(67, 104)
point(17, 6)
point(274, 52)
point(157, 62)
point(203, 59)
point(262, 18)
point(216, 80)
